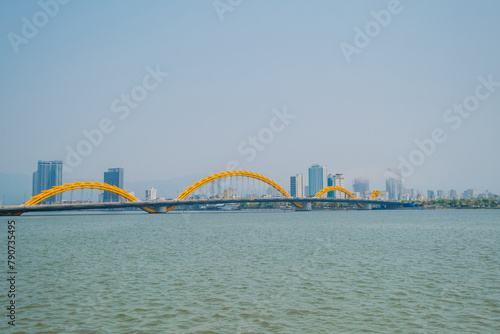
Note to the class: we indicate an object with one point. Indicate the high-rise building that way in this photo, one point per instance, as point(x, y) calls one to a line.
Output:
point(361, 185)
point(394, 186)
point(336, 180)
point(453, 194)
point(413, 194)
point(441, 194)
point(329, 183)
point(47, 176)
point(150, 194)
point(296, 186)
point(470, 193)
point(405, 194)
point(317, 179)
point(113, 177)
point(430, 194)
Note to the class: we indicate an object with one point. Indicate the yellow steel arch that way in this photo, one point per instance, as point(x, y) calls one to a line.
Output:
point(375, 193)
point(79, 185)
point(337, 188)
point(83, 185)
point(332, 188)
point(221, 175)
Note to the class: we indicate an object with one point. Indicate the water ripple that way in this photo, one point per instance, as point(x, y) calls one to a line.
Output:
point(322, 272)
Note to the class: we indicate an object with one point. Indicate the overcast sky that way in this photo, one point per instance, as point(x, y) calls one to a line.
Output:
point(167, 89)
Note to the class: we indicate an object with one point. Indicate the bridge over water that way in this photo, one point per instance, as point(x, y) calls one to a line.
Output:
point(163, 206)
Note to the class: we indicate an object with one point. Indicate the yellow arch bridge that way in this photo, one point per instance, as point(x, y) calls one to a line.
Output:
point(185, 194)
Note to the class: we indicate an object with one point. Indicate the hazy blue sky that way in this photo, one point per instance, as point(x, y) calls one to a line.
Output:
point(227, 79)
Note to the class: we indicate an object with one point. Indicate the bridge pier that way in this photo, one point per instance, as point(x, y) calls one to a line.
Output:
point(367, 206)
point(160, 209)
point(306, 206)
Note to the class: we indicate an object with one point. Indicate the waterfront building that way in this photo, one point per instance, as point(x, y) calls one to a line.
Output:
point(413, 194)
point(47, 176)
point(453, 194)
point(317, 179)
point(150, 194)
point(441, 194)
point(296, 186)
point(394, 186)
point(113, 177)
point(384, 195)
point(329, 183)
point(470, 194)
point(336, 180)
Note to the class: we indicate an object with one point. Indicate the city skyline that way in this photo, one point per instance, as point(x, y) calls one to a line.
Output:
point(394, 190)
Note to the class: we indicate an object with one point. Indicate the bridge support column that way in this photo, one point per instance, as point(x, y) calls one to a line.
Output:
point(160, 209)
point(306, 206)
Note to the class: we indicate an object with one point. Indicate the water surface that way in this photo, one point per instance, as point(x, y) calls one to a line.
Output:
point(260, 272)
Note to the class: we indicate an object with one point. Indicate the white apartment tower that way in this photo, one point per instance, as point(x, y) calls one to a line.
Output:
point(297, 186)
point(150, 194)
point(339, 181)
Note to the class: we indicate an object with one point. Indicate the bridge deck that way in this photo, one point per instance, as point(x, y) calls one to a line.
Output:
point(19, 209)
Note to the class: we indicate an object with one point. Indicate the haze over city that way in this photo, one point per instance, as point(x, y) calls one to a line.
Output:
point(186, 89)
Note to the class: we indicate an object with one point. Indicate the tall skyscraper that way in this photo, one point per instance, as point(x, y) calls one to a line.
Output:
point(47, 176)
point(317, 179)
point(361, 185)
point(329, 183)
point(430, 194)
point(336, 180)
point(441, 194)
point(453, 194)
point(394, 186)
point(113, 177)
point(296, 186)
